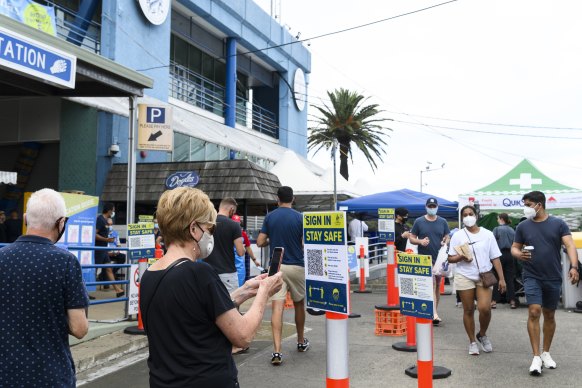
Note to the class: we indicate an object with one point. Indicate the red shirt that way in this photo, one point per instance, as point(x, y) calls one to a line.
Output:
point(246, 241)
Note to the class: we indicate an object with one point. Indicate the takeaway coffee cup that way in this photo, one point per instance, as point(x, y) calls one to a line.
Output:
point(528, 248)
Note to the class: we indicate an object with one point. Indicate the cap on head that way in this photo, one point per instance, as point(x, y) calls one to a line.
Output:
point(431, 202)
point(401, 211)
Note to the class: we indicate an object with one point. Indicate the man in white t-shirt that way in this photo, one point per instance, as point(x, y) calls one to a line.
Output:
point(357, 227)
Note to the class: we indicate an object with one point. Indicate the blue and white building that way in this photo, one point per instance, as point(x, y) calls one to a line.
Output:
point(236, 81)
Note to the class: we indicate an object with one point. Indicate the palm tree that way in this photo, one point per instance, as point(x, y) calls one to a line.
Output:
point(347, 121)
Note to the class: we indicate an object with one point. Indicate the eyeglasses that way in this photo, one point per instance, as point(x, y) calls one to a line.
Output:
point(210, 229)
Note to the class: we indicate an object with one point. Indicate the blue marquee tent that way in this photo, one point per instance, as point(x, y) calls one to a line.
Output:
point(414, 201)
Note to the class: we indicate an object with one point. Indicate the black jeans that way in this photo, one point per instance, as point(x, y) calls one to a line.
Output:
point(508, 265)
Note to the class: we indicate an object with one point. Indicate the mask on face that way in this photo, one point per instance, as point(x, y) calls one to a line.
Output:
point(469, 221)
point(206, 245)
point(112, 214)
point(61, 232)
point(432, 211)
point(156, 226)
point(529, 212)
point(404, 219)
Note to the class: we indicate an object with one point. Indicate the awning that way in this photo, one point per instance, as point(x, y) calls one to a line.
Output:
point(8, 177)
point(95, 74)
point(239, 179)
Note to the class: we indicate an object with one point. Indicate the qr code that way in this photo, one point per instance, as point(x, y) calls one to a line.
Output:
point(315, 262)
point(134, 241)
point(406, 286)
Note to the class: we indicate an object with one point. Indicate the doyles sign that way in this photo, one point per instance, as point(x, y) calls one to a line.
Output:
point(154, 128)
point(182, 179)
point(34, 59)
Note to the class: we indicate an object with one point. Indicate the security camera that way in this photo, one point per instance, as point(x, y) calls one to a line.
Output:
point(113, 149)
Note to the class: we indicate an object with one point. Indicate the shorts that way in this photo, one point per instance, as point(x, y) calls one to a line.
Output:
point(293, 281)
point(102, 257)
point(463, 283)
point(543, 292)
point(230, 280)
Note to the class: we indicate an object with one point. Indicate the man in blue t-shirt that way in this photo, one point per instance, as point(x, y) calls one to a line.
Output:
point(537, 244)
point(43, 300)
point(430, 232)
point(283, 227)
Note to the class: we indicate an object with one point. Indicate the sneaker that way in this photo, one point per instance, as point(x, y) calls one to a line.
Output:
point(536, 366)
point(547, 361)
point(485, 343)
point(474, 349)
point(277, 359)
point(304, 346)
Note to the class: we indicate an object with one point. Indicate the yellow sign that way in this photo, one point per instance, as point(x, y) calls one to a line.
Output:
point(331, 220)
point(386, 211)
point(38, 16)
point(154, 128)
point(422, 260)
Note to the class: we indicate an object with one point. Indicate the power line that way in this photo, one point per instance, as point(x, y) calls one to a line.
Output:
point(492, 132)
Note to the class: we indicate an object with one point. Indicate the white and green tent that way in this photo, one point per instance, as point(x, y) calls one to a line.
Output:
point(505, 193)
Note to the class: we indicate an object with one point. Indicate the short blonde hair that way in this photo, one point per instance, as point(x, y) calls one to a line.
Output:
point(178, 208)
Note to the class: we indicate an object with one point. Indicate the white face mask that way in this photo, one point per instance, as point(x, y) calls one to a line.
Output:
point(112, 214)
point(529, 212)
point(206, 245)
point(469, 221)
point(432, 211)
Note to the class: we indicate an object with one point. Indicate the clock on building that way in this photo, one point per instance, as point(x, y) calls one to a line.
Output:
point(156, 11)
point(299, 89)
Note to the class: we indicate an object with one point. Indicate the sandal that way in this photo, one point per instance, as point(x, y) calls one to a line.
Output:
point(512, 305)
point(493, 305)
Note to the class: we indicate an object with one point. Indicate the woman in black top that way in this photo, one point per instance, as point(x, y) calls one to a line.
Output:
point(504, 234)
point(190, 319)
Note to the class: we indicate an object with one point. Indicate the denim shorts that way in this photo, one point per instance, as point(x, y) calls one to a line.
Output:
point(543, 292)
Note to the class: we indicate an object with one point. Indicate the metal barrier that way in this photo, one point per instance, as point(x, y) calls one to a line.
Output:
point(376, 249)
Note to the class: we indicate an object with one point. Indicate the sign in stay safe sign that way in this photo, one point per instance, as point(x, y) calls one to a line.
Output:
point(326, 261)
point(416, 286)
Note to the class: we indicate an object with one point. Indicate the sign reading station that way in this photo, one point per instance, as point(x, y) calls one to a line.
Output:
point(37, 60)
point(154, 128)
point(416, 288)
point(326, 261)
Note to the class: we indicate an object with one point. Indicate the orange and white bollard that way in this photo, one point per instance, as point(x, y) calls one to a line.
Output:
point(336, 335)
point(158, 252)
point(363, 259)
point(392, 293)
point(410, 344)
point(442, 287)
point(424, 370)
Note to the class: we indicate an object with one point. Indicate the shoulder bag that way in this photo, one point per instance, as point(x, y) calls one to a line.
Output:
point(488, 277)
point(168, 268)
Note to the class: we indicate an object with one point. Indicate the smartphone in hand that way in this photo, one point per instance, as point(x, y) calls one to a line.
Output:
point(276, 260)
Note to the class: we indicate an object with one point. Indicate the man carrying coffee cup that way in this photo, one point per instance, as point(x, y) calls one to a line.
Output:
point(537, 244)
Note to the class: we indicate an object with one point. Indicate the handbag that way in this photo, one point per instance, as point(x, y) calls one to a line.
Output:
point(488, 277)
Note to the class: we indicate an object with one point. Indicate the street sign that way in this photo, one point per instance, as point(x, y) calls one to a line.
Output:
point(386, 224)
point(416, 287)
point(154, 127)
point(37, 60)
point(326, 261)
point(141, 240)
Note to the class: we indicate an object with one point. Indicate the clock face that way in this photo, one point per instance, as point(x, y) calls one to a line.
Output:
point(156, 11)
point(299, 89)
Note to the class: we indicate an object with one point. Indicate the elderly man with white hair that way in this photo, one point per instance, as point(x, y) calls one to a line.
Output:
point(43, 300)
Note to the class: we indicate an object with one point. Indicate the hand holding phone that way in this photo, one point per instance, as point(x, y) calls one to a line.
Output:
point(276, 260)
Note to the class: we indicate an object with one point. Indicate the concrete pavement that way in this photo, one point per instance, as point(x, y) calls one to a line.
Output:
point(373, 362)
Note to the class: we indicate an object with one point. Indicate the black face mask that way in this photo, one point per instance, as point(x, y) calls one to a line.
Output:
point(404, 219)
point(61, 232)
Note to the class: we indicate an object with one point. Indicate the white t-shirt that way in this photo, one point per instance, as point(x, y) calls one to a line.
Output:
point(356, 228)
point(484, 246)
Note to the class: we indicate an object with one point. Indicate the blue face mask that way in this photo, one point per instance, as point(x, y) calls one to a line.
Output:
point(432, 211)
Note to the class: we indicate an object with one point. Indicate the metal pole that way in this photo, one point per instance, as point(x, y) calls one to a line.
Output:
point(131, 158)
point(421, 181)
point(334, 177)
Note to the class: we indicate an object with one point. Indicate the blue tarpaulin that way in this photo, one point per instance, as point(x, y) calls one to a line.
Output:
point(412, 200)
